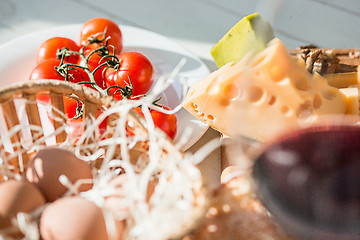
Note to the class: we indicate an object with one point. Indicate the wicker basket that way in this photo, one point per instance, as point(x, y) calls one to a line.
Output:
point(28, 124)
point(24, 96)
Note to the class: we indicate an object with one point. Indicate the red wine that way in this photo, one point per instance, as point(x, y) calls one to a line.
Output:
point(310, 181)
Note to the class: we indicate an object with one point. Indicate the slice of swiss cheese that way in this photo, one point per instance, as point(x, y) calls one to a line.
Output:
point(263, 96)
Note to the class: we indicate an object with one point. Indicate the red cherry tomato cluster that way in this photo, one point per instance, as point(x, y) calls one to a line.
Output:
point(98, 61)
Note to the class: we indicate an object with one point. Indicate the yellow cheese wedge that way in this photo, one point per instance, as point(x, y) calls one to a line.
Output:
point(262, 96)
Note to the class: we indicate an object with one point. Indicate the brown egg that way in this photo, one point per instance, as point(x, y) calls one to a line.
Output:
point(49, 164)
point(73, 218)
point(17, 196)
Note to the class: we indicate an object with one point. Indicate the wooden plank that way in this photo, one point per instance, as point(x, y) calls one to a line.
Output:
point(313, 22)
point(350, 6)
point(211, 165)
point(58, 103)
point(33, 116)
point(322, 22)
point(12, 120)
point(176, 19)
point(19, 17)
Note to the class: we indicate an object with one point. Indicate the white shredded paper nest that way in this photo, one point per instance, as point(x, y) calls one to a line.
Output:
point(180, 198)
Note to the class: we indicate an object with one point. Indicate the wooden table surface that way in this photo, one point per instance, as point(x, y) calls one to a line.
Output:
point(195, 24)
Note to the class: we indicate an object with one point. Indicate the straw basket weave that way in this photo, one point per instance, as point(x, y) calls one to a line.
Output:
point(24, 95)
point(28, 124)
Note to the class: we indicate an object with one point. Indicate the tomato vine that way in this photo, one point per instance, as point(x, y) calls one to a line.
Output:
point(112, 61)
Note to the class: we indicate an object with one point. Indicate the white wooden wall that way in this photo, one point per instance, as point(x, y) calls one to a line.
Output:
point(196, 24)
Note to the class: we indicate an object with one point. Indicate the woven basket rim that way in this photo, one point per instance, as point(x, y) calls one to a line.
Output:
point(56, 87)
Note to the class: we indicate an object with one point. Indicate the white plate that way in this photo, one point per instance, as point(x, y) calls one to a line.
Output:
point(17, 59)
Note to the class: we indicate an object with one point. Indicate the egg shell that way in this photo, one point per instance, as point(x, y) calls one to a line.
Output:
point(73, 218)
point(17, 196)
point(49, 164)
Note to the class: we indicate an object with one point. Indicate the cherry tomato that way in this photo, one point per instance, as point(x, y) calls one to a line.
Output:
point(134, 67)
point(46, 70)
point(166, 122)
point(98, 26)
point(49, 48)
point(70, 106)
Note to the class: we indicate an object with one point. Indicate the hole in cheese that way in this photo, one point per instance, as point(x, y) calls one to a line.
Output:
point(304, 111)
point(301, 83)
point(317, 101)
point(211, 117)
point(254, 94)
point(194, 106)
point(272, 100)
point(224, 101)
point(232, 91)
